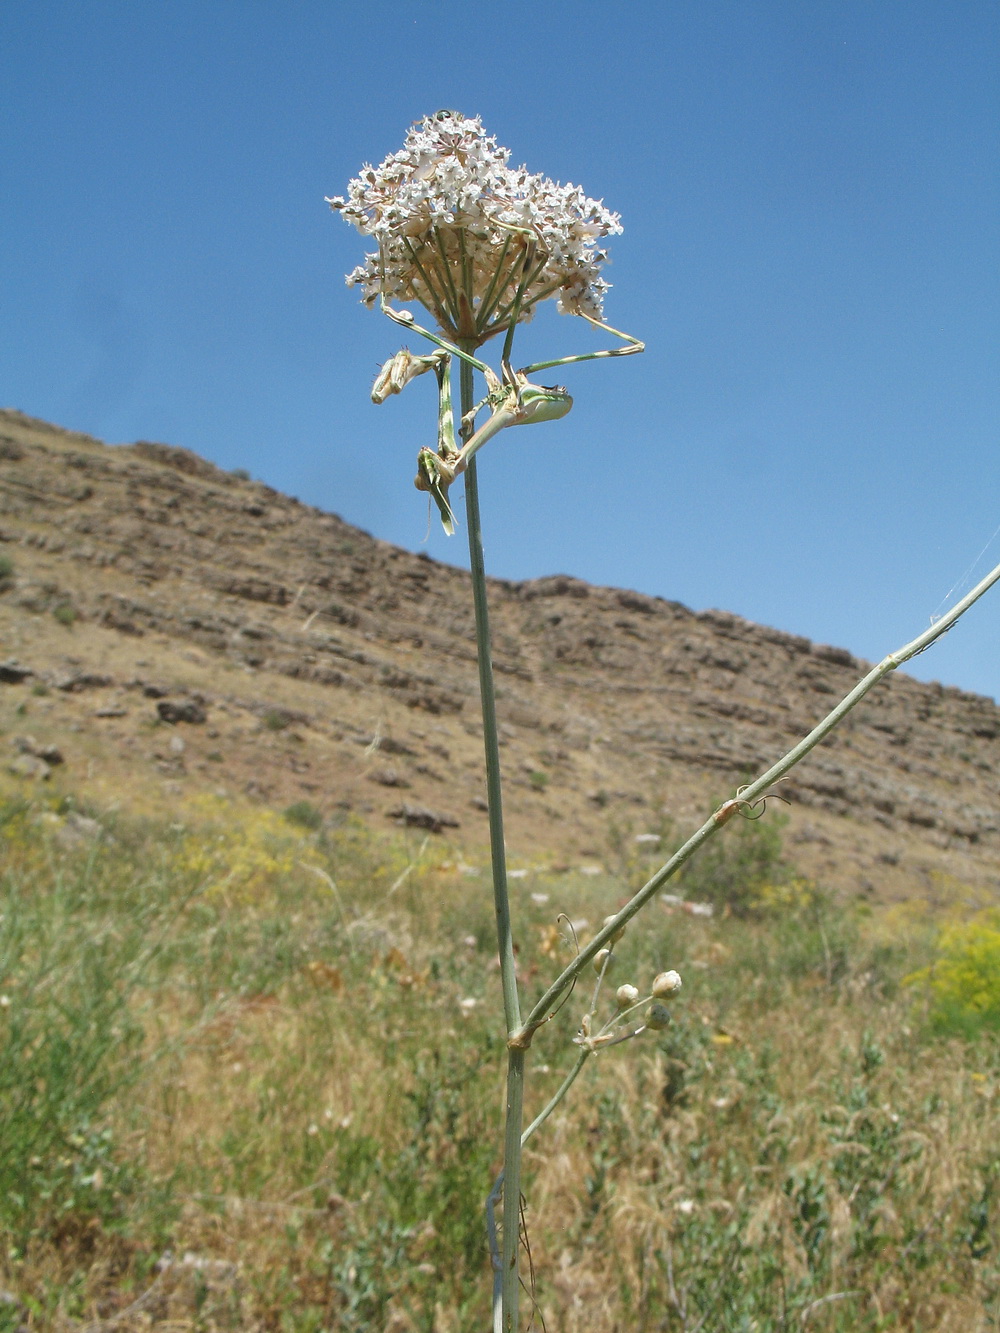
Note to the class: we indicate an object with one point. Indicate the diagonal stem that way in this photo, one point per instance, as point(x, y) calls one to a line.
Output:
point(542, 1010)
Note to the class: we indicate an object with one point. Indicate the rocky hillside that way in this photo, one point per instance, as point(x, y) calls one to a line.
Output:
point(168, 627)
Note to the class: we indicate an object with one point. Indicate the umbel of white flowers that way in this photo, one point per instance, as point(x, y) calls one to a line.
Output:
point(459, 230)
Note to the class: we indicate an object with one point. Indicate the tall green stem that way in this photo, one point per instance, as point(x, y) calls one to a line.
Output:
point(506, 1282)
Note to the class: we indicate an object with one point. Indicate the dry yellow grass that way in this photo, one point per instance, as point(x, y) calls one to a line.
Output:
point(308, 1137)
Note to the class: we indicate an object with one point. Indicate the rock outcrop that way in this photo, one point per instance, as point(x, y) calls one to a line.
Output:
point(147, 588)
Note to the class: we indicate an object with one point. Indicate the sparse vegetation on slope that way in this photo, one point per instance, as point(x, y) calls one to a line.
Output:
point(292, 658)
point(246, 1083)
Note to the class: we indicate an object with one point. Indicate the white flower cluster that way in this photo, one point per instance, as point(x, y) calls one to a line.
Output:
point(458, 230)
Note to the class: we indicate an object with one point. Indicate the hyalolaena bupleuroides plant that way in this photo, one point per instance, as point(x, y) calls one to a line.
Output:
point(479, 245)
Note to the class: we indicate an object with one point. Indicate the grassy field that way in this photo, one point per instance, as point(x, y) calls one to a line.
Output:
point(251, 1078)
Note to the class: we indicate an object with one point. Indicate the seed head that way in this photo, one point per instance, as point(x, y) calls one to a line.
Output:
point(658, 1017)
point(667, 983)
point(600, 958)
point(626, 996)
point(618, 933)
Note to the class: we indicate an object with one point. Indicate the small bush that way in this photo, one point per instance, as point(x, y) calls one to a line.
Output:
point(277, 719)
point(964, 981)
point(6, 569)
point(305, 814)
point(740, 870)
point(65, 613)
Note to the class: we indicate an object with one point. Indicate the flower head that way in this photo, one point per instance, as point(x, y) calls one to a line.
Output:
point(460, 231)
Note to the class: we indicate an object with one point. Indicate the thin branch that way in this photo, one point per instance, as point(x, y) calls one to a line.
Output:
point(748, 795)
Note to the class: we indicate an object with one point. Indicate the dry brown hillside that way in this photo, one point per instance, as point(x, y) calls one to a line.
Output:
point(169, 627)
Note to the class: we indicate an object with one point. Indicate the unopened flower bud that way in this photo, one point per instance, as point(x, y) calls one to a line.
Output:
point(658, 1017)
point(399, 370)
point(667, 983)
point(618, 933)
point(602, 957)
point(626, 996)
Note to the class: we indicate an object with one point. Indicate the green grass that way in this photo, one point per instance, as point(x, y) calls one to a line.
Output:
point(276, 1049)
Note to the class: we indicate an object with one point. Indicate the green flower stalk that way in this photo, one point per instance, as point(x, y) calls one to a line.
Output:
point(479, 245)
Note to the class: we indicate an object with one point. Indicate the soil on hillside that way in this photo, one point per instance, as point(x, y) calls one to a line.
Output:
point(168, 628)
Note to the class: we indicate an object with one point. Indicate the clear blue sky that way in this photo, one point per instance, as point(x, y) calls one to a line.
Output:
point(810, 196)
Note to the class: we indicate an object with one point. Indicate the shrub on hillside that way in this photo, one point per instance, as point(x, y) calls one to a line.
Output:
point(963, 983)
point(741, 871)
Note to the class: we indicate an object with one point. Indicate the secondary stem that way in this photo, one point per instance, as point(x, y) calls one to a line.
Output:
point(506, 1281)
point(545, 1006)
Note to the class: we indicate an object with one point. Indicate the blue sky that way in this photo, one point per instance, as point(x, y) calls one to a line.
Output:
point(810, 200)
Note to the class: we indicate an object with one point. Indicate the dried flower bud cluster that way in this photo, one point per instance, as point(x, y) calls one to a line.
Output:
point(456, 228)
point(619, 1027)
